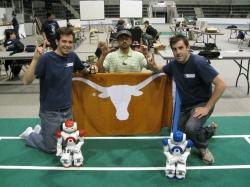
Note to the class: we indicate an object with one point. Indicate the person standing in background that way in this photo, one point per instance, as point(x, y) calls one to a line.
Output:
point(15, 25)
point(49, 28)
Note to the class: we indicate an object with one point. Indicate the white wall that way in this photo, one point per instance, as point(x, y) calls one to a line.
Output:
point(226, 21)
point(155, 20)
point(2, 12)
point(212, 2)
point(62, 23)
point(29, 28)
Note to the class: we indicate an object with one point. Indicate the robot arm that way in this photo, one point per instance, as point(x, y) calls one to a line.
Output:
point(165, 147)
point(172, 159)
point(78, 146)
point(185, 155)
point(59, 143)
point(81, 140)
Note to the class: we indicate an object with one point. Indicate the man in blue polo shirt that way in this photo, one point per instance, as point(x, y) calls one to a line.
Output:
point(194, 77)
point(54, 69)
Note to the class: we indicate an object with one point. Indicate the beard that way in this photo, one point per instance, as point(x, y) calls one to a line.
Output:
point(124, 45)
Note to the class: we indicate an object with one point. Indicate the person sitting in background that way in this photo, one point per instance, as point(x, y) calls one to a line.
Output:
point(136, 34)
point(13, 44)
point(124, 59)
point(120, 25)
point(152, 33)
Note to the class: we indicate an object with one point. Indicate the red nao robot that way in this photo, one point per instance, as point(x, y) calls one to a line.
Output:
point(69, 143)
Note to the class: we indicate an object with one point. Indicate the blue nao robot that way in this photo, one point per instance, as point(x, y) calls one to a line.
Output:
point(69, 143)
point(176, 150)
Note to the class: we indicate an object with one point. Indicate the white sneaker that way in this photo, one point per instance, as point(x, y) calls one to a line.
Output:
point(26, 133)
point(37, 129)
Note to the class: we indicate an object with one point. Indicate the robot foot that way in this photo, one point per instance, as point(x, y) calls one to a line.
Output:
point(78, 162)
point(170, 174)
point(180, 175)
point(78, 159)
point(66, 163)
point(66, 159)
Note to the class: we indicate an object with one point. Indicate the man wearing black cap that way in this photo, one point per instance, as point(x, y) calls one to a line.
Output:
point(124, 59)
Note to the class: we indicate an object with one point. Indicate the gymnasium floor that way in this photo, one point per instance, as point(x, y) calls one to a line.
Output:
point(132, 161)
point(126, 161)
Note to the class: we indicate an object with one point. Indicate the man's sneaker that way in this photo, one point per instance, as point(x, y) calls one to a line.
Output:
point(213, 125)
point(211, 129)
point(207, 156)
point(26, 133)
point(37, 129)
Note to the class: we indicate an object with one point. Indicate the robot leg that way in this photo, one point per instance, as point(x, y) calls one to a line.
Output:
point(66, 158)
point(180, 171)
point(78, 159)
point(170, 170)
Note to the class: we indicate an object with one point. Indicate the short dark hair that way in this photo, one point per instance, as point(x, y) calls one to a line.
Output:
point(64, 31)
point(173, 40)
point(146, 22)
point(7, 33)
point(120, 22)
point(49, 14)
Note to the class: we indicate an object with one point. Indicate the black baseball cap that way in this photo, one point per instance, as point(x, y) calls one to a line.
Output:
point(124, 32)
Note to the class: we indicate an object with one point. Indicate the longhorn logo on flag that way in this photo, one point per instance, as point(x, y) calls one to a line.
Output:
point(103, 104)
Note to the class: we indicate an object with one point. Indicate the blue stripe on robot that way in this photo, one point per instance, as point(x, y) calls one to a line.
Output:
point(177, 150)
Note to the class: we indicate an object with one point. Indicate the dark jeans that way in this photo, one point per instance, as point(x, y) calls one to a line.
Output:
point(14, 66)
point(51, 122)
point(194, 127)
point(16, 29)
point(53, 44)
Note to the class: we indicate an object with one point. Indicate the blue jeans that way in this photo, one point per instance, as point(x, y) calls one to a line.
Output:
point(194, 127)
point(51, 122)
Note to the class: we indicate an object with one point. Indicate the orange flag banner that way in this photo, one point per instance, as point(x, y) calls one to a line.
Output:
point(122, 104)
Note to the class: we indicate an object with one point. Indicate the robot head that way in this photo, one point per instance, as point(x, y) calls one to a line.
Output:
point(69, 126)
point(178, 136)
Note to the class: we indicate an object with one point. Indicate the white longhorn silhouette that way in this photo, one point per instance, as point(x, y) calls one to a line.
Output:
point(120, 95)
